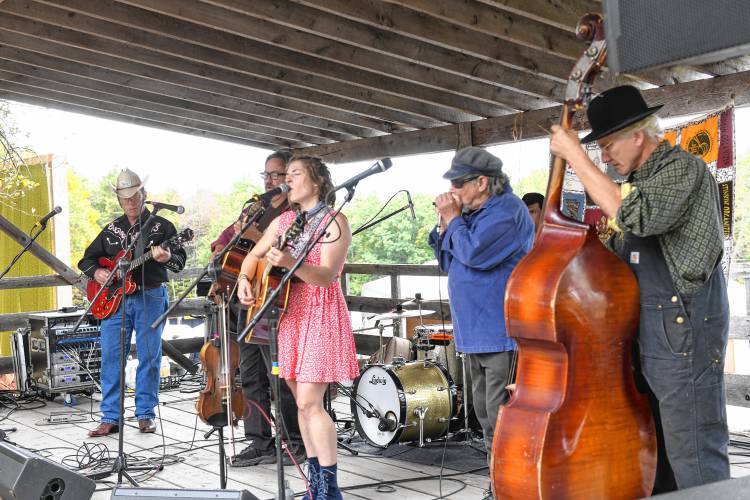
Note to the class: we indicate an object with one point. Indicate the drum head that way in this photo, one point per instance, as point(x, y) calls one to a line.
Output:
point(377, 388)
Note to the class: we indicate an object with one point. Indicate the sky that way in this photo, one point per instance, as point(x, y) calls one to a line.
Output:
point(93, 146)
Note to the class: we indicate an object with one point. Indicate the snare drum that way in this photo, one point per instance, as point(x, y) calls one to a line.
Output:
point(426, 337)
point(397, 393)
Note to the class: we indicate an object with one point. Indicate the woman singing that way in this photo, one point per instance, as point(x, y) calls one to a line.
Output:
point(316, 344)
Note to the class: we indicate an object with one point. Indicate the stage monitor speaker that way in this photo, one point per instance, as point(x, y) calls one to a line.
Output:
point(172, 494)
point(26, 476)
point(644, 34)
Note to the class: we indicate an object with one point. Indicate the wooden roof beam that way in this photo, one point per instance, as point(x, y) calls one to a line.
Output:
point(60, 70)
point(563, 14)
point(176, 110)
point(72, 108)
point(481, 18)
point(371, 48)
point(82, 47)
point(269, 61)
point(14, 90)
point(698, 96)
point(435, 31)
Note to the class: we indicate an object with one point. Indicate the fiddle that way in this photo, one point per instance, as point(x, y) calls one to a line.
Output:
point(221, 401)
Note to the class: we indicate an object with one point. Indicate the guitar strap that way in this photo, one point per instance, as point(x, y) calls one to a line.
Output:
point(312, 220)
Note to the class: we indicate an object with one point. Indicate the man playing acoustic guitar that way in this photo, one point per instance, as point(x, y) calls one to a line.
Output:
point(146, 304)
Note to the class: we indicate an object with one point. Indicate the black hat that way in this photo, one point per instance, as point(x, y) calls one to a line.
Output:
point(531, 198)
point(615, 109)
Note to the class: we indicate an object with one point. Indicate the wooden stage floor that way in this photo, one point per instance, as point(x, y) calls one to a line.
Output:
point(190, 461)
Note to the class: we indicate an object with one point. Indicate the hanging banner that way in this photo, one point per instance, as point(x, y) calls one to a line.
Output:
point(710, 137)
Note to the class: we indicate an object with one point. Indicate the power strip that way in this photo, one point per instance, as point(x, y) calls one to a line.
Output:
point(64, 417)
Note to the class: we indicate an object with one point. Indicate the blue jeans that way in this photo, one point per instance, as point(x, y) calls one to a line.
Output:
point(141, 309)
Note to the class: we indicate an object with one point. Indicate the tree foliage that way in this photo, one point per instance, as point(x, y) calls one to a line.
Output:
point(15, 180)
point(397, 240)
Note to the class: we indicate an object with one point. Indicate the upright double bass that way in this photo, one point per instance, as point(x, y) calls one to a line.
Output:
point(576, 426)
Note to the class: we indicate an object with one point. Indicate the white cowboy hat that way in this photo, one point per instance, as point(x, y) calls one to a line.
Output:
point(128, 184)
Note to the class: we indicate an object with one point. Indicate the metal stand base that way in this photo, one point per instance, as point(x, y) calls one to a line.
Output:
point(332, 413)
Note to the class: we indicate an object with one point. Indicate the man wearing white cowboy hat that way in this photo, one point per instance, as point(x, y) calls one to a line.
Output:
point(668, 230)
point(142, 307)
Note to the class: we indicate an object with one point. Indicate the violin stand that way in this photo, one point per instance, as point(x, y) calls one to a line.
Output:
point(219, 316)
point(222, 454)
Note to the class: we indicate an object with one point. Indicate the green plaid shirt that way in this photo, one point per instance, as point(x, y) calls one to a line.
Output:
point(676, 199)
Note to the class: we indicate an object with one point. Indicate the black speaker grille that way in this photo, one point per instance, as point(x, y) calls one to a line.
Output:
point(649, 33)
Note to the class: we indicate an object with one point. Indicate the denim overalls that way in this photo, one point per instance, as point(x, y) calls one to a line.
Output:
point(682, 342)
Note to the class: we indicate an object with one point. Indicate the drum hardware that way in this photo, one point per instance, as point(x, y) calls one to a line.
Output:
point(420, 412)
point(400, 313)
point(329, 409)
point(379, 327)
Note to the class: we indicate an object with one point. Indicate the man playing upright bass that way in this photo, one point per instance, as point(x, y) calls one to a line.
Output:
point(668, 230)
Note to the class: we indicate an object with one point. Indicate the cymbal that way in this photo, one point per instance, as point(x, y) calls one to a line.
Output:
point(402, 313)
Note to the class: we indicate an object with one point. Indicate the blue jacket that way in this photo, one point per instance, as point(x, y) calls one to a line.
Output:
point(478, 251)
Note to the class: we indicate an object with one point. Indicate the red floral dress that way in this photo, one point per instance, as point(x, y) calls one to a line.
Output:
point(316, 343)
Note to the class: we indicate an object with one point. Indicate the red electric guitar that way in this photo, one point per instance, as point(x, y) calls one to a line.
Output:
point(109, 300)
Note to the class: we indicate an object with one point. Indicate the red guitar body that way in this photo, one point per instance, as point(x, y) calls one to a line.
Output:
point(109, 300)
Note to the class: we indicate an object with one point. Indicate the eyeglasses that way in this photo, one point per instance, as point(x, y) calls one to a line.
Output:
point(275, 176)
point(459, 183)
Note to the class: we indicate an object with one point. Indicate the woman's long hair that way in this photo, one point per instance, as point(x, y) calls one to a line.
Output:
point(320, 176)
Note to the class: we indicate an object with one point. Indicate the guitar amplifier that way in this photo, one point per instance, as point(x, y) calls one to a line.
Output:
point(53, 359)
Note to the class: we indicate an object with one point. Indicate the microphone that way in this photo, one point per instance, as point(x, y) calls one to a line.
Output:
point(387, 424)
point(265, 198)
point(172, 208)
point(380, 166)
point(411, 206)
point(43, 221)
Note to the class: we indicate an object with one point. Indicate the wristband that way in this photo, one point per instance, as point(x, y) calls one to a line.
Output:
point(242, 276)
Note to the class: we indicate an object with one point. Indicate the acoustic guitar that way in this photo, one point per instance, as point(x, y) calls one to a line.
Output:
point(268, 277)
point(229, 268)
point(109, 300)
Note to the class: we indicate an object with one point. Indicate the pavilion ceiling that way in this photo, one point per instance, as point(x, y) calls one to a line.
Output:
point(341, 78)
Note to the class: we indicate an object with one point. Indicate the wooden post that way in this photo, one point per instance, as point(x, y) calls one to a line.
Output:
point(56, 264)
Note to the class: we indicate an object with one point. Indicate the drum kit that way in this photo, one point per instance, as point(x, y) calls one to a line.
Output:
point(412, 400)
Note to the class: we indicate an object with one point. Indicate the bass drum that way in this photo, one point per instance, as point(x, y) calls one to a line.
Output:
point(397, 393)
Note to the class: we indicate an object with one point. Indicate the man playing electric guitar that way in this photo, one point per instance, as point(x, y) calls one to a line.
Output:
point(255, 358)
point(146, 304)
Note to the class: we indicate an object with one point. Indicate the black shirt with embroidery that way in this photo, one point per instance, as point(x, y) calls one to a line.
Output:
point(118, 234)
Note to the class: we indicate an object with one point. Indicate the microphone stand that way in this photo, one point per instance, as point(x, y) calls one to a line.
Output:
point(210, 267)
point(285, 493)
point(28, 244)
point(120, 464)
point(381, 219)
